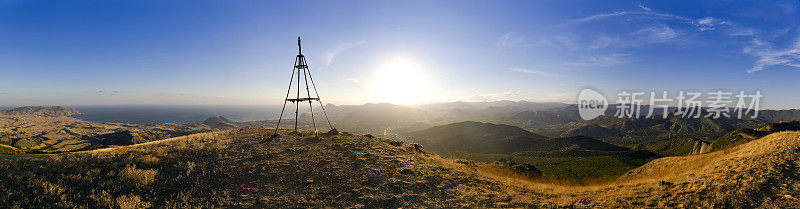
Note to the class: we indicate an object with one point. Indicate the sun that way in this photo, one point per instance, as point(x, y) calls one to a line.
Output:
point(401, 81)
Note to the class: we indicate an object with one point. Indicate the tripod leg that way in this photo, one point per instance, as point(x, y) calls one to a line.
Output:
point(320, 99)
point(284, 102)
point(310, 106)
point(297, 103)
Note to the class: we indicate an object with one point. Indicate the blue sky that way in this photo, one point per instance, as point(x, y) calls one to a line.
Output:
point(241, 52)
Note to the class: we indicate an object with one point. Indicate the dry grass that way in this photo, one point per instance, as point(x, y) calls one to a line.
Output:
point(241, 168)
point(763, 172)
point(140, 177)
point(131, 202)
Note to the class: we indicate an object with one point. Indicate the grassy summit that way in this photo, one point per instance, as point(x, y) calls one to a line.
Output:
point(240, 168)
point(244, 168)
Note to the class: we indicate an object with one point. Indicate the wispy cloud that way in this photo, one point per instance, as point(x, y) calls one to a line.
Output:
point(660, 27)
point(554, 97)
point(741, 32)
point(641, 27)
point(643, 11)
point(339, 49)
point(355, 80)
point(108, 92)
point(767, 55)
point(710, 23)
point(603, 60)
point(533, 72)
point(569, 41)
point(603, 42)
point(652, 30)
point(655, 34)
point(516, 95)
point(509, 40)
point(508, 95)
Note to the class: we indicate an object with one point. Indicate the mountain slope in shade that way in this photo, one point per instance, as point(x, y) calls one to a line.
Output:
point(591, 130)
point(477, 137)
point(542, 118)
point(219, 122)
point(587, 143)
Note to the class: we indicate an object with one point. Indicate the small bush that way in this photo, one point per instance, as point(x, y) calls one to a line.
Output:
point(148, 160)
point(188, 166)
point(131, 202)
point(415, 147)
point(140, 177)
point(8, 150)
point(396, 143)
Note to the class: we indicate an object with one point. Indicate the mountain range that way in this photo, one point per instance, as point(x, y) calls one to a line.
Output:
point(478, 137)
point(670, 136)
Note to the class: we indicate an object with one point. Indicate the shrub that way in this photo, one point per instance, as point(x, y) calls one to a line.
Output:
point(131, 202)
point(396, 143)
point(148, 160)
point(140, 177)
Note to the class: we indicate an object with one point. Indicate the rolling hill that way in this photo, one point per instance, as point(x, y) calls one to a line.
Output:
point(578, 158)
point(477, 137)
point(745, 135)
point(41, 111)
point(48, 130)
point(220, 122)
point(592, 130)
point(760, 173)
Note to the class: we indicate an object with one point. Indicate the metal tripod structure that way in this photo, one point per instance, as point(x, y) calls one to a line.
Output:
point(301, 68)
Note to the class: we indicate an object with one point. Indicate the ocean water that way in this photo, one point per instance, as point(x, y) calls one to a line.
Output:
point(174, 114)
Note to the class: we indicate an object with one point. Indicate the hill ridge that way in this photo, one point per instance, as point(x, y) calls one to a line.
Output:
point(220, 122)
point(54, 111)
point(480, 137)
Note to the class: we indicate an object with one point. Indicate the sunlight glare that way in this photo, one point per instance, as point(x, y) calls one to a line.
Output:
point(401, 81)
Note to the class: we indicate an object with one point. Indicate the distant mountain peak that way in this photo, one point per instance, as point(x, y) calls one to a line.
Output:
point(219, 122)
